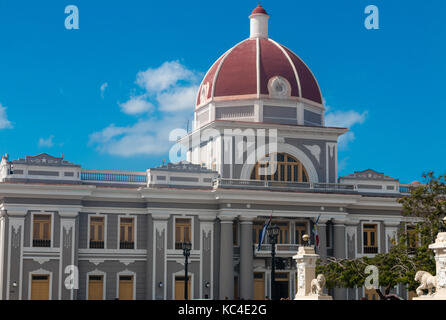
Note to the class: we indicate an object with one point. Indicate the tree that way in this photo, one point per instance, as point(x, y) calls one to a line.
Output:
point(426, 204)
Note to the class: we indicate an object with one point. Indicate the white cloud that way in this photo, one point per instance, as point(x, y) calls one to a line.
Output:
point(164, 77)
point(4, 122)
point(167, 101)
point(48, 142)
point(136, 105)
point(181, 98)
point(103, 87)
point(345, 119)
point(148, 136)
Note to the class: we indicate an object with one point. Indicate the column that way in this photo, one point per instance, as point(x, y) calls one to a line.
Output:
point(339, 244)
point(14, 265)
point(159, 260)
point(246, 259)
point(322, 232)
point(207, 257)
point(226, 258)
point(68, 266)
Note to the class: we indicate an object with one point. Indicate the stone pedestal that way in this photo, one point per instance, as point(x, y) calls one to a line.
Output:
point(439, 248)
point(306, 271)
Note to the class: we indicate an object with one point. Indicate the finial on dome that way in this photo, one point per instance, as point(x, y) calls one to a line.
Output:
point(259, 23)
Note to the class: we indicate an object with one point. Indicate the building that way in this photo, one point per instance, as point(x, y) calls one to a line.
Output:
point(123, 231)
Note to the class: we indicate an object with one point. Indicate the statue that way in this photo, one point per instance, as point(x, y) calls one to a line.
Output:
point(317, 285)
point(428, 282)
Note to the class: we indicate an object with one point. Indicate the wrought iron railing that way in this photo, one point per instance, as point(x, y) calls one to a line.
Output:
point(370, 250)
point(41, 243)
point(127, 245)
point(96, 244)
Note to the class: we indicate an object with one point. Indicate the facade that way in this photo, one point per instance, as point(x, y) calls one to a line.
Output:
point(123, 230)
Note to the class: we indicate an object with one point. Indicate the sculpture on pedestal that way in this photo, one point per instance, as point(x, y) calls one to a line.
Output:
point(317, 285)
point(429, 282)
point(309, 287)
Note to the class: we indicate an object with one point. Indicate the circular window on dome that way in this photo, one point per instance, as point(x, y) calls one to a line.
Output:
point(278, 87)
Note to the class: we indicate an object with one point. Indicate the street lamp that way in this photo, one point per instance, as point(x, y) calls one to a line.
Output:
point(187, 246)
point(273, 232)
point(305, 239)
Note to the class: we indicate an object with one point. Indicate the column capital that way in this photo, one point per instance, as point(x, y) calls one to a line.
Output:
point(69, 212)
point(245, 219)
point(226, 218)
point(207, 218)
point(392, 223)
point(16, 212)
point(159, 215)
point(339, 222)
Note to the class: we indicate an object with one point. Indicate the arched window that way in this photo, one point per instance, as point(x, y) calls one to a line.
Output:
point(288, 169)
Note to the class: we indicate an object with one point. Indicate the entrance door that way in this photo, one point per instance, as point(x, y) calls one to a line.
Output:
point(40, 287)
point(282, 285)
point(371, 294)
point(179, 288)
point(96, 288)
point(125, 287)
point(259, 286)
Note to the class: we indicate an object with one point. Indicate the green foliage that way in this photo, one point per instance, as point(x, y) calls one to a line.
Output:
point(426, 204)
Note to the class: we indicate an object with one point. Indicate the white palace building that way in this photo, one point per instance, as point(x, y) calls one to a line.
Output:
point(123, 230)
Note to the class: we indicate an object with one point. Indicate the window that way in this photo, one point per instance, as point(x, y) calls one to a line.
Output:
point(412, 239)
point(288, 169)
point(301, 229)
point(370, 244)
point(371, 294)
point(257, 227)
point(127, 236)
point(96, 287)
point(182, 232)
point(42, 230)
point(97, 232)
point(284, 230)
point(125, 288)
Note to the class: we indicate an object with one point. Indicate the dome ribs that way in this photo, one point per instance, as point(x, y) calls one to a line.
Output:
point(237, 75)
point(273, 62)
point(309, 86)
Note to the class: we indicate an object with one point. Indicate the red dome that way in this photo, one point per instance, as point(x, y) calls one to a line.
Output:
point(244, 73)
point(258, 9)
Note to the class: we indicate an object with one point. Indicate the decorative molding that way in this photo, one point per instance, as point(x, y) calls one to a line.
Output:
point(315, 151)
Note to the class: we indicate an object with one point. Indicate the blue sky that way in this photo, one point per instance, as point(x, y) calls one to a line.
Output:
point(387, 84)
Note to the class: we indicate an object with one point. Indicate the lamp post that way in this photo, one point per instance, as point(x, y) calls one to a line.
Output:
point(187, 246)
point(306, 239)
point(273, 232)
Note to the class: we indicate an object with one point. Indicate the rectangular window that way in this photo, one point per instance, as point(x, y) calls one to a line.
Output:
point(97, 227)
point(95, 287)
point(301, 229)
point(42, 230)
point(370, 244)
point(284, 230)
point(127, 233)
point(183, 229)
point(256, 230)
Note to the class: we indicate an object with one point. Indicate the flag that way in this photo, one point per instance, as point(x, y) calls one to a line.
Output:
point(315, 231)
point(263, 232)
